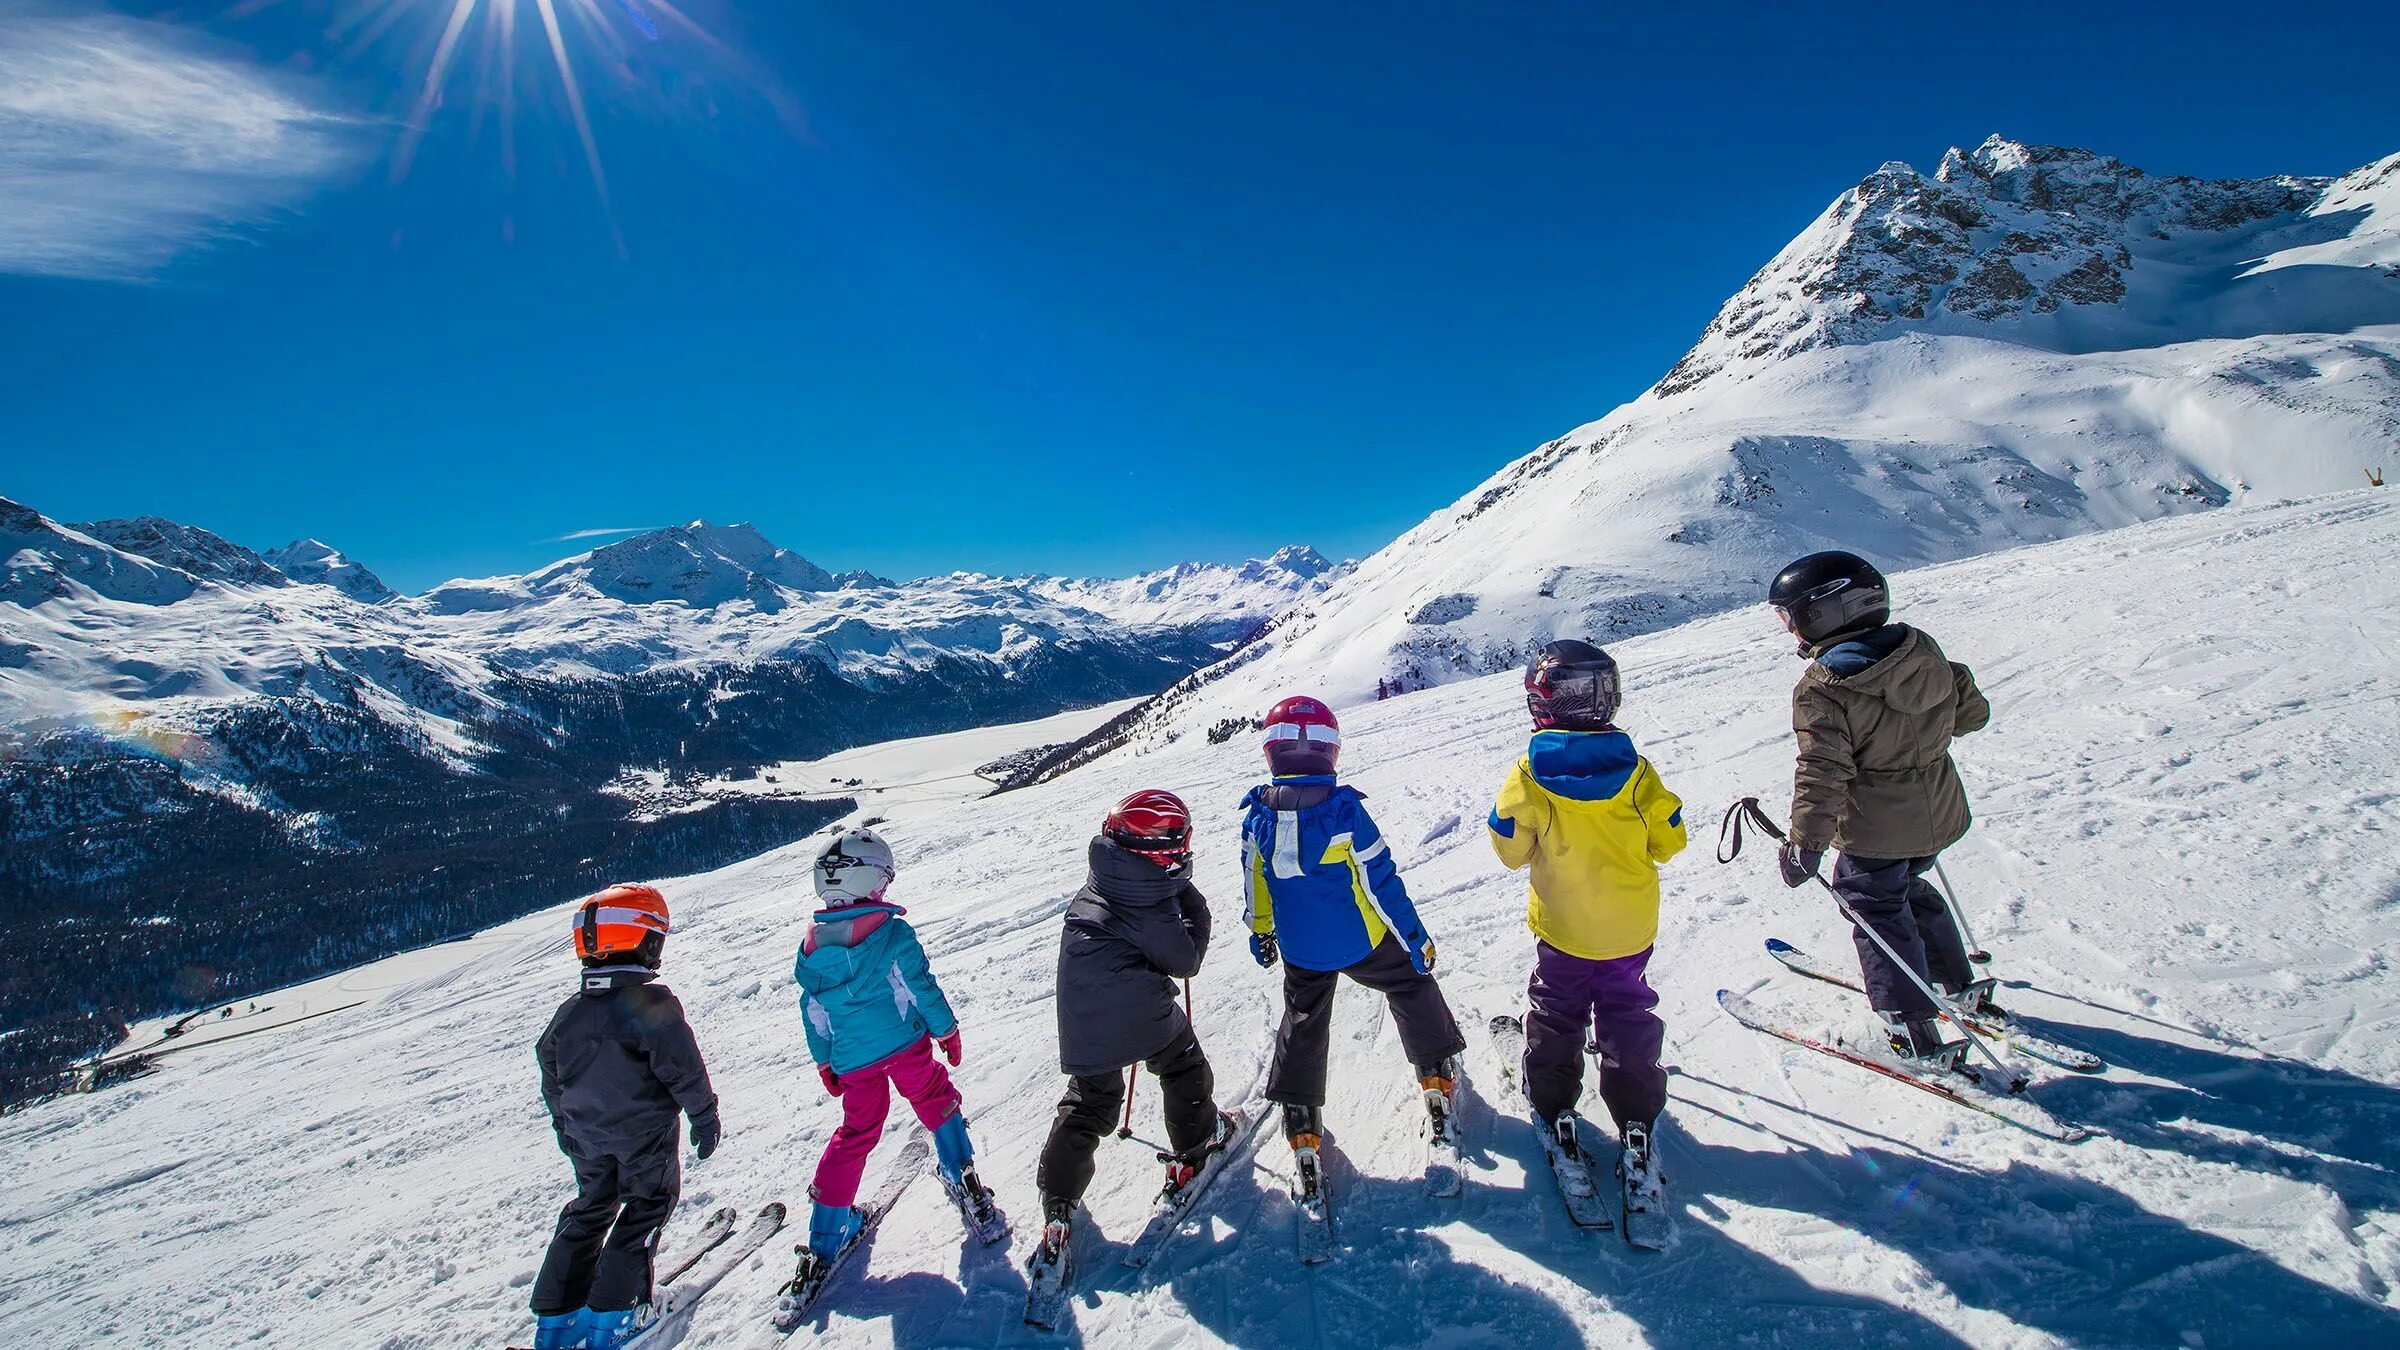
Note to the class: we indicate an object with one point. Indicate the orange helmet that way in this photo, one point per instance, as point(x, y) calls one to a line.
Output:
point(617, 921)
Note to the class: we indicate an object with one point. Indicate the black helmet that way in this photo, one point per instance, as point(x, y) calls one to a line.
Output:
point(1831, 594)
point(1572, 685)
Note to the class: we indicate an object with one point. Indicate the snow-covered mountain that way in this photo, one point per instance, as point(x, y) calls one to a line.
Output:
point(312, 563)
point(2182, 862)
point(2031, 343)
point(1190, 594)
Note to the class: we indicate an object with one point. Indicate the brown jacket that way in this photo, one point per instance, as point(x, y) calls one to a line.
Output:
point(1875, 778)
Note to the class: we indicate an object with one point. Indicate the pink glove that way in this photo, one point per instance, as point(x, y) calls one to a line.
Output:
point(832, 1080)
point(951, 1049)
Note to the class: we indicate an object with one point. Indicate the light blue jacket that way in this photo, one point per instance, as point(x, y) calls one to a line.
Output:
point(865, 991)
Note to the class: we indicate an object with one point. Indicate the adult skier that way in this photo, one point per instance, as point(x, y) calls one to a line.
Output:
point(618, 1062)
point(1874, 715)
point(1327, 901)
point(1137, 927)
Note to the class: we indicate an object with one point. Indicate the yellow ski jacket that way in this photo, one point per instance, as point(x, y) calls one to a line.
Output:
point(1594, 821)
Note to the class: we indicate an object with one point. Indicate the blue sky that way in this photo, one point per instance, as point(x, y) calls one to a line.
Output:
point(1078, 288)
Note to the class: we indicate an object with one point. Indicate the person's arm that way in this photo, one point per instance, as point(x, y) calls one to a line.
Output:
point(1197, 921)
point(1974, 710)
point(1254, 879)
point(675, 1057)
point(553, 1087)
point(1661, 810)
point(1518, 818)
point(1821, 779)
point(909, 955)
point(1379, 876)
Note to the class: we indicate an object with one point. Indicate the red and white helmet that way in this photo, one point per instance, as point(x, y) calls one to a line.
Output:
point(620, 921)
point(1302, 737)
point(1155, 824)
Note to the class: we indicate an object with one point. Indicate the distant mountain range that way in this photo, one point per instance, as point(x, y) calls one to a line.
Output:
point(221, 768)
point(2029, 343)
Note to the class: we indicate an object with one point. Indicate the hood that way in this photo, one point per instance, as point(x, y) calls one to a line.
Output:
point(1910, 673)
point(1124, 877)
point(1582, 766)
point(830, 949)
point(610, 979)
point(1296, 792)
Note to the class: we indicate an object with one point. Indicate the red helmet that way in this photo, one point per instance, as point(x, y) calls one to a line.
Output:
point(1302, 737)
point(621, 921)
point(1155, 824)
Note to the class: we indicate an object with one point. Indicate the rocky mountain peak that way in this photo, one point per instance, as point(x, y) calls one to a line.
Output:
point(187, 548)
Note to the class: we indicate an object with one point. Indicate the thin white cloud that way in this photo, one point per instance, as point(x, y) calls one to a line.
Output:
point(599, 534)
point(124, 143)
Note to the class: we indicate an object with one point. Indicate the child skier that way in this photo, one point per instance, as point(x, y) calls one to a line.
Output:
point(1327, 901)
point(1588, 813)
point(1137, 926)
point(874, 1015)
point(618, 1061)
point(1874, 715)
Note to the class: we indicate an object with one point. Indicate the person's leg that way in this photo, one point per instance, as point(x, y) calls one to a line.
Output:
point(565, 1282)
point(1188, 1088)
point(647, 1187)
point(1876, 890)
point(866, 1096)
point(1557, 1015)
point(1087, 1112)
point(1428, 1032)
point(1297, 1076)
point(1626, 1025)
point(918, 1074)
point(1945, 951)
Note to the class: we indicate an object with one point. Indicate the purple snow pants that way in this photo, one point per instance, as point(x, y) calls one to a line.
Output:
point(1614, 1001)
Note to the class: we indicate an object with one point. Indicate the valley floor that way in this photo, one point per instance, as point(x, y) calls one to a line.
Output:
point(2185, 861)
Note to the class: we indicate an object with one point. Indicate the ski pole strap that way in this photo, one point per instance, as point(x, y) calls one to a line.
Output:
point(1729, 830)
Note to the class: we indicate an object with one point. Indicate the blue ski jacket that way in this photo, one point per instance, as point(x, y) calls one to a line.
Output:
point(865, 990)
point(1320, 877)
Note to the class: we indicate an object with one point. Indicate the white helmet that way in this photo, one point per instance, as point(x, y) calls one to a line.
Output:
point(852, 866)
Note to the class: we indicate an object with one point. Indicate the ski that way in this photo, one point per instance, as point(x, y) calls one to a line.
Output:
point(718, 1228)
point(1570, 1164)
point(1959, 1090)
point(1168, 1218)
point(1641, 1198)
point(1999, 1026)
point(1049, 1276)
point(1312, 1206)
point(799, 1294)
point(977, 1208)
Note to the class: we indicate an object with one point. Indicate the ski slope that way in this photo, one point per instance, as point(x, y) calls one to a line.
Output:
point(2185, 861)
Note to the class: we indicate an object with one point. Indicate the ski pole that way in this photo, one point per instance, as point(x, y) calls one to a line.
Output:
point(1748, 807)
point(1133, 1071)
point(1958, 915)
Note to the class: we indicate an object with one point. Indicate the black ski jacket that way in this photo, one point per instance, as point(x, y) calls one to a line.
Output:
point(618, 1061)
point(1132, 931)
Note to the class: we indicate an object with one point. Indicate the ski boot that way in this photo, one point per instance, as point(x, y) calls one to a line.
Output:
point(1305, 1126)
point(1184, 1168)
point(976, 1206)
point(561, 1331)
point(1440, 1085)
point(1918, 1040)
point(1976, 999)
point(1637, 1167)
point(1058, 1228)
point(1566, 1138)
point(608, 1330)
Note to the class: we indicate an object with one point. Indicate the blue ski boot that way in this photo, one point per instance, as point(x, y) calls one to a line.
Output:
point(956, 1159)
point(560, 1331)
point(951, 1148)
point(608, 1330)
point(830, 1229)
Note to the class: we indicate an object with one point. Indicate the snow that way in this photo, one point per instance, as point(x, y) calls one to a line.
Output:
point(2184, 861)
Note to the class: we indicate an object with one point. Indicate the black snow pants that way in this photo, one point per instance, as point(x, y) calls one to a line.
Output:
point(1892, 896)
point(1427, 1031)
point(1089, 1110)
point(600, 1256)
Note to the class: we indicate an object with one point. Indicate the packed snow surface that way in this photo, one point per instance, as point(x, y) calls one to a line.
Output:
point(2185, 861)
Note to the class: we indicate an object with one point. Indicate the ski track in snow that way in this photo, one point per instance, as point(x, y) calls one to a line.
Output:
point(2184, 861)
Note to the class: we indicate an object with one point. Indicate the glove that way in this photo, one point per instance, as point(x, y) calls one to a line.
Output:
point(952, 1049)
point(1424, 958)
point(1262, 950)
point(832, 1080)
point(706, 1132)
point(1798, 865)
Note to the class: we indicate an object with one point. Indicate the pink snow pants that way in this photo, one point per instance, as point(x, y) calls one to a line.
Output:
point(866, 1096)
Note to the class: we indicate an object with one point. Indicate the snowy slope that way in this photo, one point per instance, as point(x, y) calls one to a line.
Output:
point(2184, 861)
point(2030, 344)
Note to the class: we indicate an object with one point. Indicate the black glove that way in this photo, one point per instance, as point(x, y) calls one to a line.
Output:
point(1263, 950)
point(706, 1131)
point(1798, 865)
